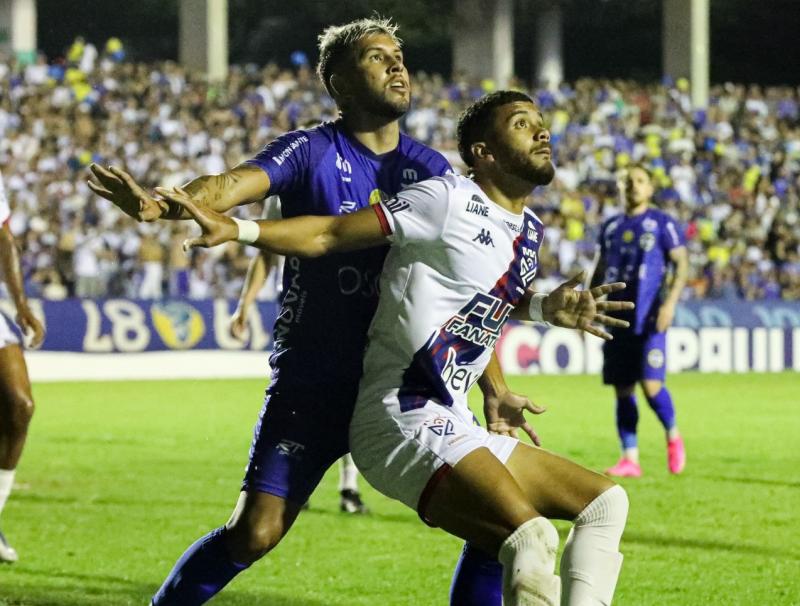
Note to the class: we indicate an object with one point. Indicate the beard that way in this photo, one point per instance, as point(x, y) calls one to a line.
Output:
point(531, 169)
point(385, 104)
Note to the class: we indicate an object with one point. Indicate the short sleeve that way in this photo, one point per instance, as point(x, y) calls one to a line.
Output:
point(285, 160)
point(671, 235)
point(272, 208)
point(416, 214)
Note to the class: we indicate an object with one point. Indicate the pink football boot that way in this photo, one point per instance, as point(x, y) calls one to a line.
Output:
point(625, 468)
point(676, 455)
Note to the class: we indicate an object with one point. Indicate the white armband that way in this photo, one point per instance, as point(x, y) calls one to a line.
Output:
point(248, 231)
point(535, 308)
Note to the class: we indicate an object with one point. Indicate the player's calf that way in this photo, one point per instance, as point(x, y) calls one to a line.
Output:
point(528, 557)
point(591, 560)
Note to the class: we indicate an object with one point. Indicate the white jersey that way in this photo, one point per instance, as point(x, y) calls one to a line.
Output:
point(458, 265)
point(7, 335)
point(5, 210)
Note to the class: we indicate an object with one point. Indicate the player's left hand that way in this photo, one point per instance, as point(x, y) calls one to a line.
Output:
point(31, 327)
point(505, 414)
point(665, 316)
point(580, 309)
point(217, 228)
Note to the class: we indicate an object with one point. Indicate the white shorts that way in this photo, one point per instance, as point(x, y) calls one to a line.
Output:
point(400, 452)
point(7, 335)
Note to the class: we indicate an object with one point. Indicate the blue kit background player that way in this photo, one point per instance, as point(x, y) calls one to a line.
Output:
point(327, 303)
point(639, 247)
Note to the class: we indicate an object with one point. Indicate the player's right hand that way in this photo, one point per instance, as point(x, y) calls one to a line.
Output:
point(238, 325)
point(217, 228)
point(118, 187)
point(31, 327)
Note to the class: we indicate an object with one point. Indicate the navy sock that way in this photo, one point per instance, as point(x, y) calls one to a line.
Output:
point(661, 404)
point(200, 573)
point(478, 579)
point(627, 419)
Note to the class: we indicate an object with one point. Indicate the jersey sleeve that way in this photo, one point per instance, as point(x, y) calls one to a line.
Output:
point(416, 214)
point(286, 161)
point(272, 208)
point(5, 210)
point(671, 234)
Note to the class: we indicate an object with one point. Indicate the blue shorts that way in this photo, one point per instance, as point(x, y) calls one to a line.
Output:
point(628, 359)
point(299, 435)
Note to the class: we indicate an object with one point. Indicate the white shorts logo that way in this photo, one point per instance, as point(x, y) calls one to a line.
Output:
point(655, 358)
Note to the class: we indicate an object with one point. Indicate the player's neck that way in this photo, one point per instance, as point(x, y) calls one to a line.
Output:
point(508, 195)
point(373, 132)
point(637, 210)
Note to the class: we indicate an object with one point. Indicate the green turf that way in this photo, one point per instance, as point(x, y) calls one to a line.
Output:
point(118, 478)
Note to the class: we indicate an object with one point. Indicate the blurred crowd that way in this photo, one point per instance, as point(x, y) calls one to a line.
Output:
point(730, 173)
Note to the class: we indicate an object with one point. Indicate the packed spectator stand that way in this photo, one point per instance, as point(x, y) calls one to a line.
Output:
point(730, 173)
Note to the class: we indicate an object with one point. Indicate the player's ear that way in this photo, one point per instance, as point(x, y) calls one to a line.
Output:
point(480, 151)
point(338, 85)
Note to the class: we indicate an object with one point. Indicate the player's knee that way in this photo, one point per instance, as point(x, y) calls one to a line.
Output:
point(22, 408)
point(250, 542)
point(609, 510)
point(651, 388)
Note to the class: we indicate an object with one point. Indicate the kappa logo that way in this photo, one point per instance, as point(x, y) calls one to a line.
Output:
point(485, 238)
point(442, 427)
point(290, 448)
point(345, 168)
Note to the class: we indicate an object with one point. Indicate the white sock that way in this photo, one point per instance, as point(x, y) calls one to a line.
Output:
point(591, 560)
point(528, 557)
point(6, 481)
point(348, 474)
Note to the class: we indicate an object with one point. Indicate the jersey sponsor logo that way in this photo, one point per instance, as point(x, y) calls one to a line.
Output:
point(627, 236)
point(477, 207)
point(289, 150)
point(485, 238)
point(514, 227)
point(528, 265)
point(533, 235)
point(655, 358)
point(481, 320)
point(345, 168)
point(290, 448)
point(410, 177)
point(292, 305)
point(178, 324)
point(347, 207)
point(455, 377)
point(441, 426)
point(647, 242)
point(396, 205)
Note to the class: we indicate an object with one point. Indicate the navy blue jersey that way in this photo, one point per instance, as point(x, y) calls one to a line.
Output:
point(328, 303)
point(636, 251)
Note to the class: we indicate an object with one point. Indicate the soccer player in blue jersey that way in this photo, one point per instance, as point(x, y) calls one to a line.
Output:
point(327, 303)
point(639, 247)
point(445, 294)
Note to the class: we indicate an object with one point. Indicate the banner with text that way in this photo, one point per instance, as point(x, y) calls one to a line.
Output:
point(730, 336)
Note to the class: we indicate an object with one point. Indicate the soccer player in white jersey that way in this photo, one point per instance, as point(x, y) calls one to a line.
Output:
point(464, 251)
point(258, 271)
point(16, 401)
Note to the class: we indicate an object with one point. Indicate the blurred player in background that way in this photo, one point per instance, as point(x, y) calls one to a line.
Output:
point(258, 271)
point(327, 304)
point(464, 253)
point(16, 400)
point(639, 247)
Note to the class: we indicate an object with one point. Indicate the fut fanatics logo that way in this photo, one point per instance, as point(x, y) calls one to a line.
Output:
point(485, 238)
point(441, 427)
point(477, 207)
point(396, 205)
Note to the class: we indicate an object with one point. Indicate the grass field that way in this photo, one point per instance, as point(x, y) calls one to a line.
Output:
point(118, 478)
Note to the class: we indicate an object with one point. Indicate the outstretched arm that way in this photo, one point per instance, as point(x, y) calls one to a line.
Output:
point(9, 261)
point(240, 185)
point(309, 236)
point(570, 308)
